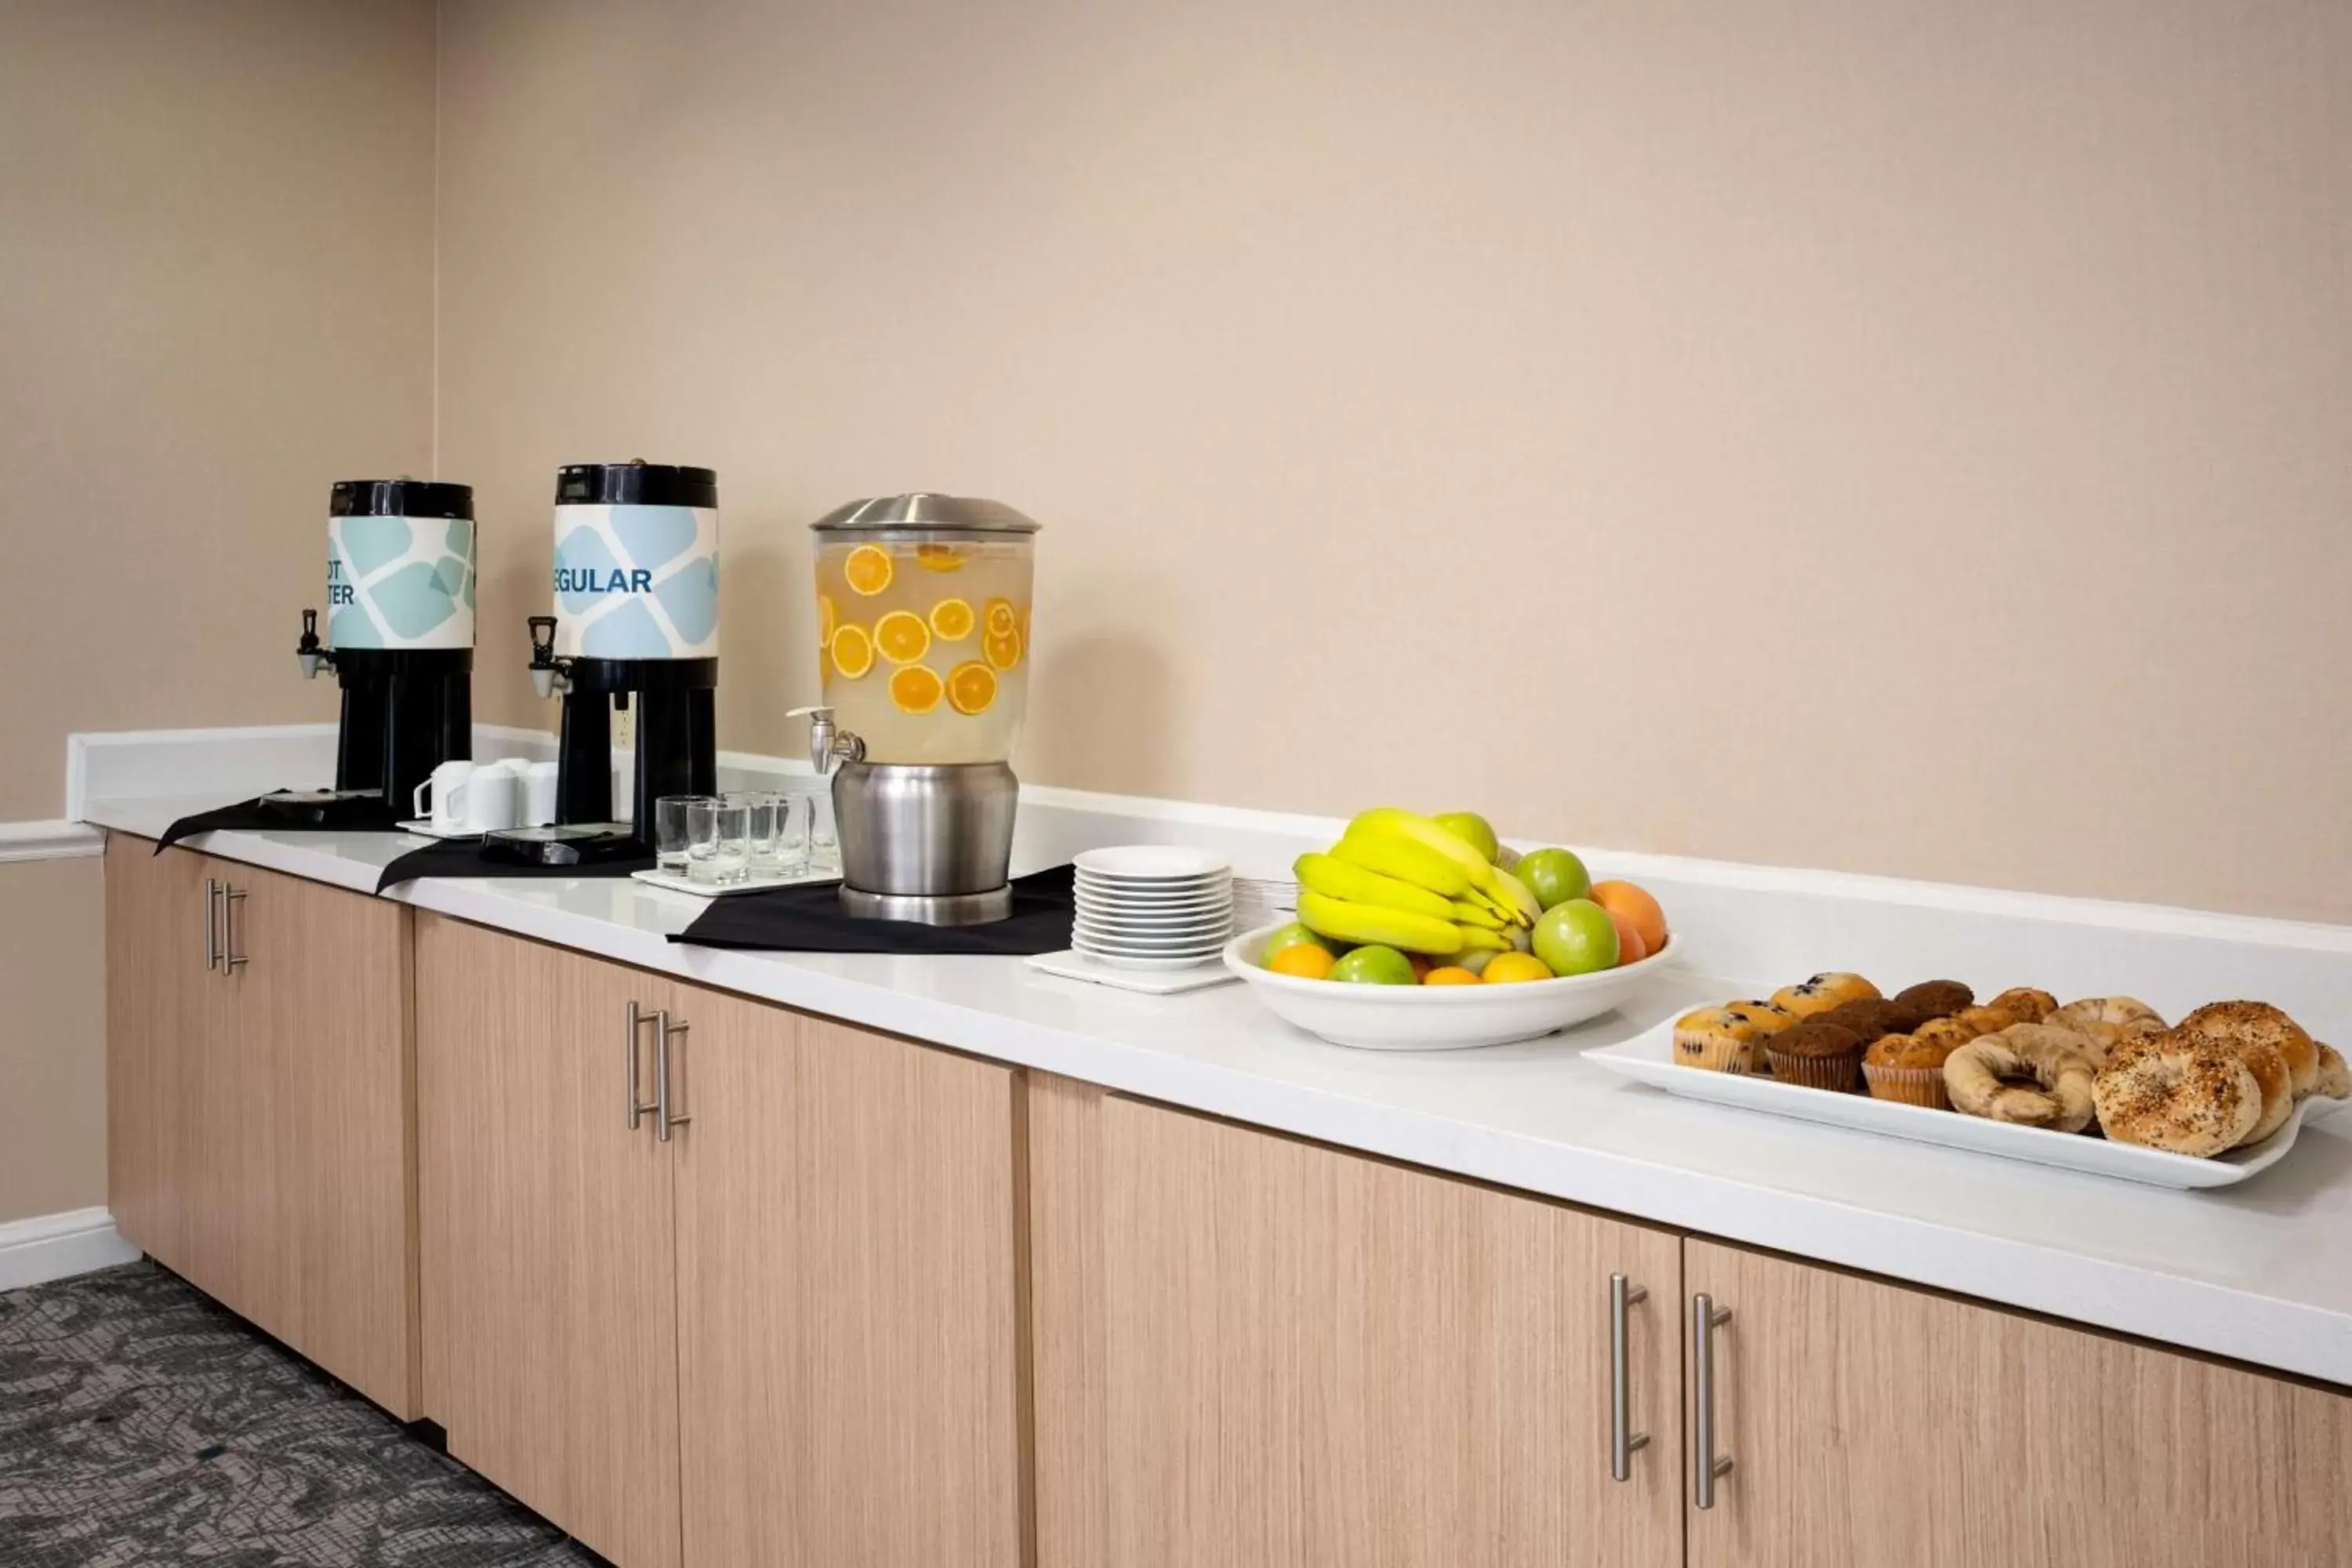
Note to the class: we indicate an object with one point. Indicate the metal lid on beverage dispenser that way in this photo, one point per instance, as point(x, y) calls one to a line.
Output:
point(925, 514)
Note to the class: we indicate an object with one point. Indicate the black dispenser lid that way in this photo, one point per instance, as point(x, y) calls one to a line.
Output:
point(400, 497)
point(638, 483)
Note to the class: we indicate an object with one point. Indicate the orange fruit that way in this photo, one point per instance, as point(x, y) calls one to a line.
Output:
point(902, 636)
point(1631, 948)
point(952, 620)
point(1507, 968)
point(916, 687)
point(828, 616)
point(938, 557)
point(852, 652)
point(1003, 620)
point(1307, 961)
point(868, 569)
point(1004, 651)
point(1450, 975)
point(972, 686)
point(1637, 906)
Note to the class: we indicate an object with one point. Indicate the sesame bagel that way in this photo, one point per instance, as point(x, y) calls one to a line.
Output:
point(2176, 1091)
point(2259, 1023)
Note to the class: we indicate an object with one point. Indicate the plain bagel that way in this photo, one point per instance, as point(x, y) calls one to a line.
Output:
point(1980, 1077)
point(2179, 1091)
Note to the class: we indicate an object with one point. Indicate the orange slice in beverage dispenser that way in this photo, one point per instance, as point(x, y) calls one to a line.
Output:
point(867, 569)
point(939, 557)
point(828, 616)
point(952, 620)
point(902, 636)
point(852, 652)
point(971, 687)
point(915, 688)
point(1002, 622)
point(1004, 652)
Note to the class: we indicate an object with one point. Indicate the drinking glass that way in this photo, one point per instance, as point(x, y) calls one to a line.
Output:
point(716, 853)
point(824, 849)
point(791, 835)
point(762, 815)
point(670, 833)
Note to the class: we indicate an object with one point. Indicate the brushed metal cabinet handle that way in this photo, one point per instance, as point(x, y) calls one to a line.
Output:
point(211, 937)
point(663, 1119)
point(1623, 1441)
point(231, 959)
point(638, 1019)
point(1706, 1465)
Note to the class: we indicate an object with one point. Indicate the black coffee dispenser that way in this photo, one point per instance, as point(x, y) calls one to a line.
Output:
point(635, 627)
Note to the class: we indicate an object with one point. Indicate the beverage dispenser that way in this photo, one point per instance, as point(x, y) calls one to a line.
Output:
point(400, 638)
point(923, 622)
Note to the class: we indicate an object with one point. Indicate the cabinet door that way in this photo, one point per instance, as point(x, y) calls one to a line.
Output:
point(848, 1350)
point(232, 1150)
point(1256, 1351)
point(155, 981)
point(1869, 1424)
point(551, 1332)
point(325, 1050)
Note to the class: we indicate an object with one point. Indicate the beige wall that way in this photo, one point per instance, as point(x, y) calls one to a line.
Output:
point(52, 1038)
point(216, 300)
point(1909, 437)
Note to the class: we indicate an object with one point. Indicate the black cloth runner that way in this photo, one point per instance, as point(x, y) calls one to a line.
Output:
point(810, 919)
point(253, 814)
point(464, 858)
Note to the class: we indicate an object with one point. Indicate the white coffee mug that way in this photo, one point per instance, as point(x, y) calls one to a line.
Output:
point(538, 795)
point(448, 788)
point(492, 798)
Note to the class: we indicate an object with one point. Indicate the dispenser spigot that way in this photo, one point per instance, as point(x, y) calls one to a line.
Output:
point(548, 674)
point(828, 745)
point(312, 655)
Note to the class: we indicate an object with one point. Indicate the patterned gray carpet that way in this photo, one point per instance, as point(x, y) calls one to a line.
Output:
point(141, 1424)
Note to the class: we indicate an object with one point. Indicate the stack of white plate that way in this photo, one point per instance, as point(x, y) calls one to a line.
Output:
point(1152, 906)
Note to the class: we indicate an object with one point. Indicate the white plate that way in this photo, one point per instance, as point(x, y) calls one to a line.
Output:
point(1649, 1058)
point(1194, 951)
point(1221, 894)
point(677, 884)
point(1221, 924)
point(423, 827)
point(1152, 863)
point(1211, 909)
point(1127, 960)
point(1141, 942)
point(1437, 1017)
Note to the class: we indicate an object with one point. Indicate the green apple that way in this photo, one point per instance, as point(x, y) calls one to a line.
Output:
point(1378, 965)
point(1472, 829)
point(1553, 876)
point(1474, 959)
point(1291, 935)
point(1577, 937)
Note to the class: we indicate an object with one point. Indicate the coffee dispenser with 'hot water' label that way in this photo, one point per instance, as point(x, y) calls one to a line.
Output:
point(400, 638)
point(635, 626)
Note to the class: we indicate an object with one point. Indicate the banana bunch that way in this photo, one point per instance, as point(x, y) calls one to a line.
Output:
point(1404, 881)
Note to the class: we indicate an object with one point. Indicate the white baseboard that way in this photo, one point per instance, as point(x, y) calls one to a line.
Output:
point(59, 1245)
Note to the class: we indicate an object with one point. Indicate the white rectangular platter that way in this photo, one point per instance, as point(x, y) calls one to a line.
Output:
point(1649, 1058)
point(672, 882)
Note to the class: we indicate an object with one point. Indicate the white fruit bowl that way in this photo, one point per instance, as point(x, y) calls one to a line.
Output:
point(1436, 1018)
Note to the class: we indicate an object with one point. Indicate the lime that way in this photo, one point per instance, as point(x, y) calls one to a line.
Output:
point(1553, 876)
point(1577, 938)
point(1378, 966)
point(1474, 830)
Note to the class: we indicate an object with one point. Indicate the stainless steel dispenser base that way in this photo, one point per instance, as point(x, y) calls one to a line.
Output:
point(946, 910)
point(930, 843)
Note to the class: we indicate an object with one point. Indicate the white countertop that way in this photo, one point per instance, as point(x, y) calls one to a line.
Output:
point(2261, 1272)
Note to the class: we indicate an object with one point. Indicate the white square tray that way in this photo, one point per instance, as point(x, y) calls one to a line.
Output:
point(1649, 1058)
point(674, 883)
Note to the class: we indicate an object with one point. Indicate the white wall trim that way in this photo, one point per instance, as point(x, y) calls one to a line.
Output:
point(85, 747)
point(59, 1245)
point(55, 839)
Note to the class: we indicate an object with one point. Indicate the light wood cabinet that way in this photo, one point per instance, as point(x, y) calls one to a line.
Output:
point(1868, 1424)
point(802, 1303)
point(1263, 1354)
point(260, 1113)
